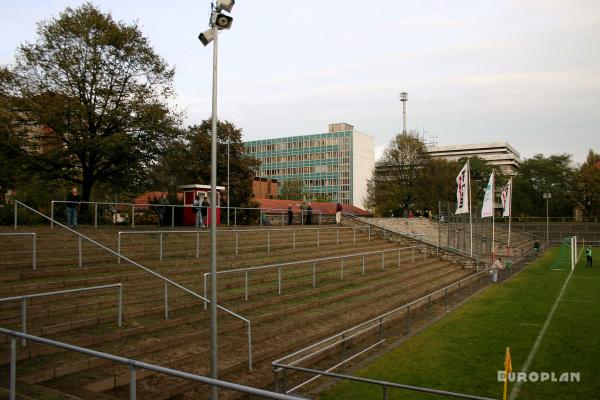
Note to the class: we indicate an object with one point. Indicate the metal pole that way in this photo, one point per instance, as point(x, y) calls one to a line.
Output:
point(214, 362)
point(547, 222)
point(342, 270)
point(95, 215)
point(314, 274)
point(172, 216)
point(133, 215)
point(237, 240)
point(161, 245)
point(120, 300)
point(34, 255)
point(79, 241)
point(235, 217)
point(16, 211)
point(24, 319)
point(13, 368)
point(133, 382)
point(166, 301)
point(51, 214)
point(279, 281)
point(246, 287)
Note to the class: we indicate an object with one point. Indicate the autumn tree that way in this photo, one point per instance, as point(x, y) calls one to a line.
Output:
point(587, 182)
point(91, 99)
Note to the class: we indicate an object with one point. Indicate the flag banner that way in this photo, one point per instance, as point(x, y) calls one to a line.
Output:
point(506, 197)
point(462, 190)
point(487, 210)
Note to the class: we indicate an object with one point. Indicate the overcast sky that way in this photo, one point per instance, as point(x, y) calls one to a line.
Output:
point(526, 72)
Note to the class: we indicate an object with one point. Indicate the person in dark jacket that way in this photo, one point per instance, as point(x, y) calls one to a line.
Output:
point(309, 214)
point(204, 211)
point(338, 213)
point(73, 201)
point(290, 215)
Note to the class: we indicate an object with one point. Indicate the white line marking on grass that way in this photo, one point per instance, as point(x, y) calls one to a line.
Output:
point(523, 323)
point(579, 301)
point(557, 269)
point(517, 388)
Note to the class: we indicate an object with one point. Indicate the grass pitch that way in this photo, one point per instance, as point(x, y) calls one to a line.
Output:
point(464, 351)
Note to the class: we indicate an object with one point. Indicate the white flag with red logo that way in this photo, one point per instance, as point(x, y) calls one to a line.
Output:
point(507, 199)
point(487, 210)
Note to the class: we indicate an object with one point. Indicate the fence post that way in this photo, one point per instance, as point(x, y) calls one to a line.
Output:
point(363, 265)
point(16, 211)
point(120, 312)
point(24, 319)
point(13, 368)
point(133, 215)
point(161, 245)
point(235, 217)
point(51, 214)
point(205, 292)
point(132, 382)
point(249, 346)
point(119, 247)
point(172, 216)
point(314, 274)
point(95, 215)
point(385, 392)
point(34, 255)
point(166, 301)
point(246, 287)
point(279, 281)
point(79, 242)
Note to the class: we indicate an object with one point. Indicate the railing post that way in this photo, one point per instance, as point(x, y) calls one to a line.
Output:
point(249, 346)
point(172, 216)
point(119, 247)
point(34, 255)
point(279, 281)
point(314, 274)
point(166, 301)
point(276, 380)
point(24, 319)
point(246, 287)
point(13, 368)
point(205, 294)
point(51, 214)
point(161, 245)
point(133, 215)
point(268, 241)
point(284, 383)
point(363, 265)
point(237, 240)
point(16, 213)
point(95, 215)
point(132, 382)
point(235, 217)
point(79, 242)
point(120, 312)
point(197, 244)
point(385, 392)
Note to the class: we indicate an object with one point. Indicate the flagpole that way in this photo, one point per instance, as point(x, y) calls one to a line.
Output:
point(510, 183)
point(470, 206)
point(493, 216)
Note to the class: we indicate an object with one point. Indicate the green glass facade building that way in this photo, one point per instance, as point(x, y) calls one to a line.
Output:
point(333, 165)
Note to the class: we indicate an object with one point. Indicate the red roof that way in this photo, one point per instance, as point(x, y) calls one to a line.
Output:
point(324, 208)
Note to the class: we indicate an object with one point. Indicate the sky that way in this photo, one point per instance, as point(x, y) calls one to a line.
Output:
point(526, 72)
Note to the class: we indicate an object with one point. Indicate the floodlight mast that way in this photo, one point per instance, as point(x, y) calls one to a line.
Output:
point(404, 99)
point(218, 21)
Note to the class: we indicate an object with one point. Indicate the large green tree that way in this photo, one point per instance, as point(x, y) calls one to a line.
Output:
point(539, 175)
point(188, 160)
point(90, 97)
point(587, 183)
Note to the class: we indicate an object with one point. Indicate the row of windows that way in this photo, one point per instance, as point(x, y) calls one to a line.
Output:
point(254, 147)
point(342, 157)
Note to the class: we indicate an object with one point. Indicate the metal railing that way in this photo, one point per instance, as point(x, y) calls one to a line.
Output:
point(280, 266)
point(33, 244)
point(133, 365)
point(282, 213)
point(375, 326)
point(236, 232)
point(166, 280)
point(24, 300)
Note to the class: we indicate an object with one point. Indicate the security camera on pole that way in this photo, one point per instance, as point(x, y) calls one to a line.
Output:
point(218, 21)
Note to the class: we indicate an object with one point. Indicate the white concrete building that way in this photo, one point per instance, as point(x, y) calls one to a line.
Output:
point(501, 155)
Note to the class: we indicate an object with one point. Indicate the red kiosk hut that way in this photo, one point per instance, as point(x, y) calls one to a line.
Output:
point(189, 194)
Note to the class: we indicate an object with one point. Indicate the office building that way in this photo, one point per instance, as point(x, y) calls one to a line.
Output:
point(334, 165)
point(500, 155)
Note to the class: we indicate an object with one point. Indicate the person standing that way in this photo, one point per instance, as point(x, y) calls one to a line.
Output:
point(338, 213)
point(161, 209)
point(309, 214)
point(290, 214)
point(197, 209)
point(204, 212)
point(588, 256)
point(73, 201)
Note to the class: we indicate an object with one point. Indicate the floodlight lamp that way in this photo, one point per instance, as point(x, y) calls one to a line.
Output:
point(226, 5)
point(206, 37)
point(222, 21)
point(403, 96)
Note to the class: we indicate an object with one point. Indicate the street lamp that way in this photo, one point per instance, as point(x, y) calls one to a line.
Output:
point(218, 21)
point(547, 196)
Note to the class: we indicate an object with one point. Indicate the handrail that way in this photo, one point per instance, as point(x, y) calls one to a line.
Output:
point(133, 366)
point(34, 244)
point(155, 274)
point(236, 231)
point(26, 297)
point(314, 261)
